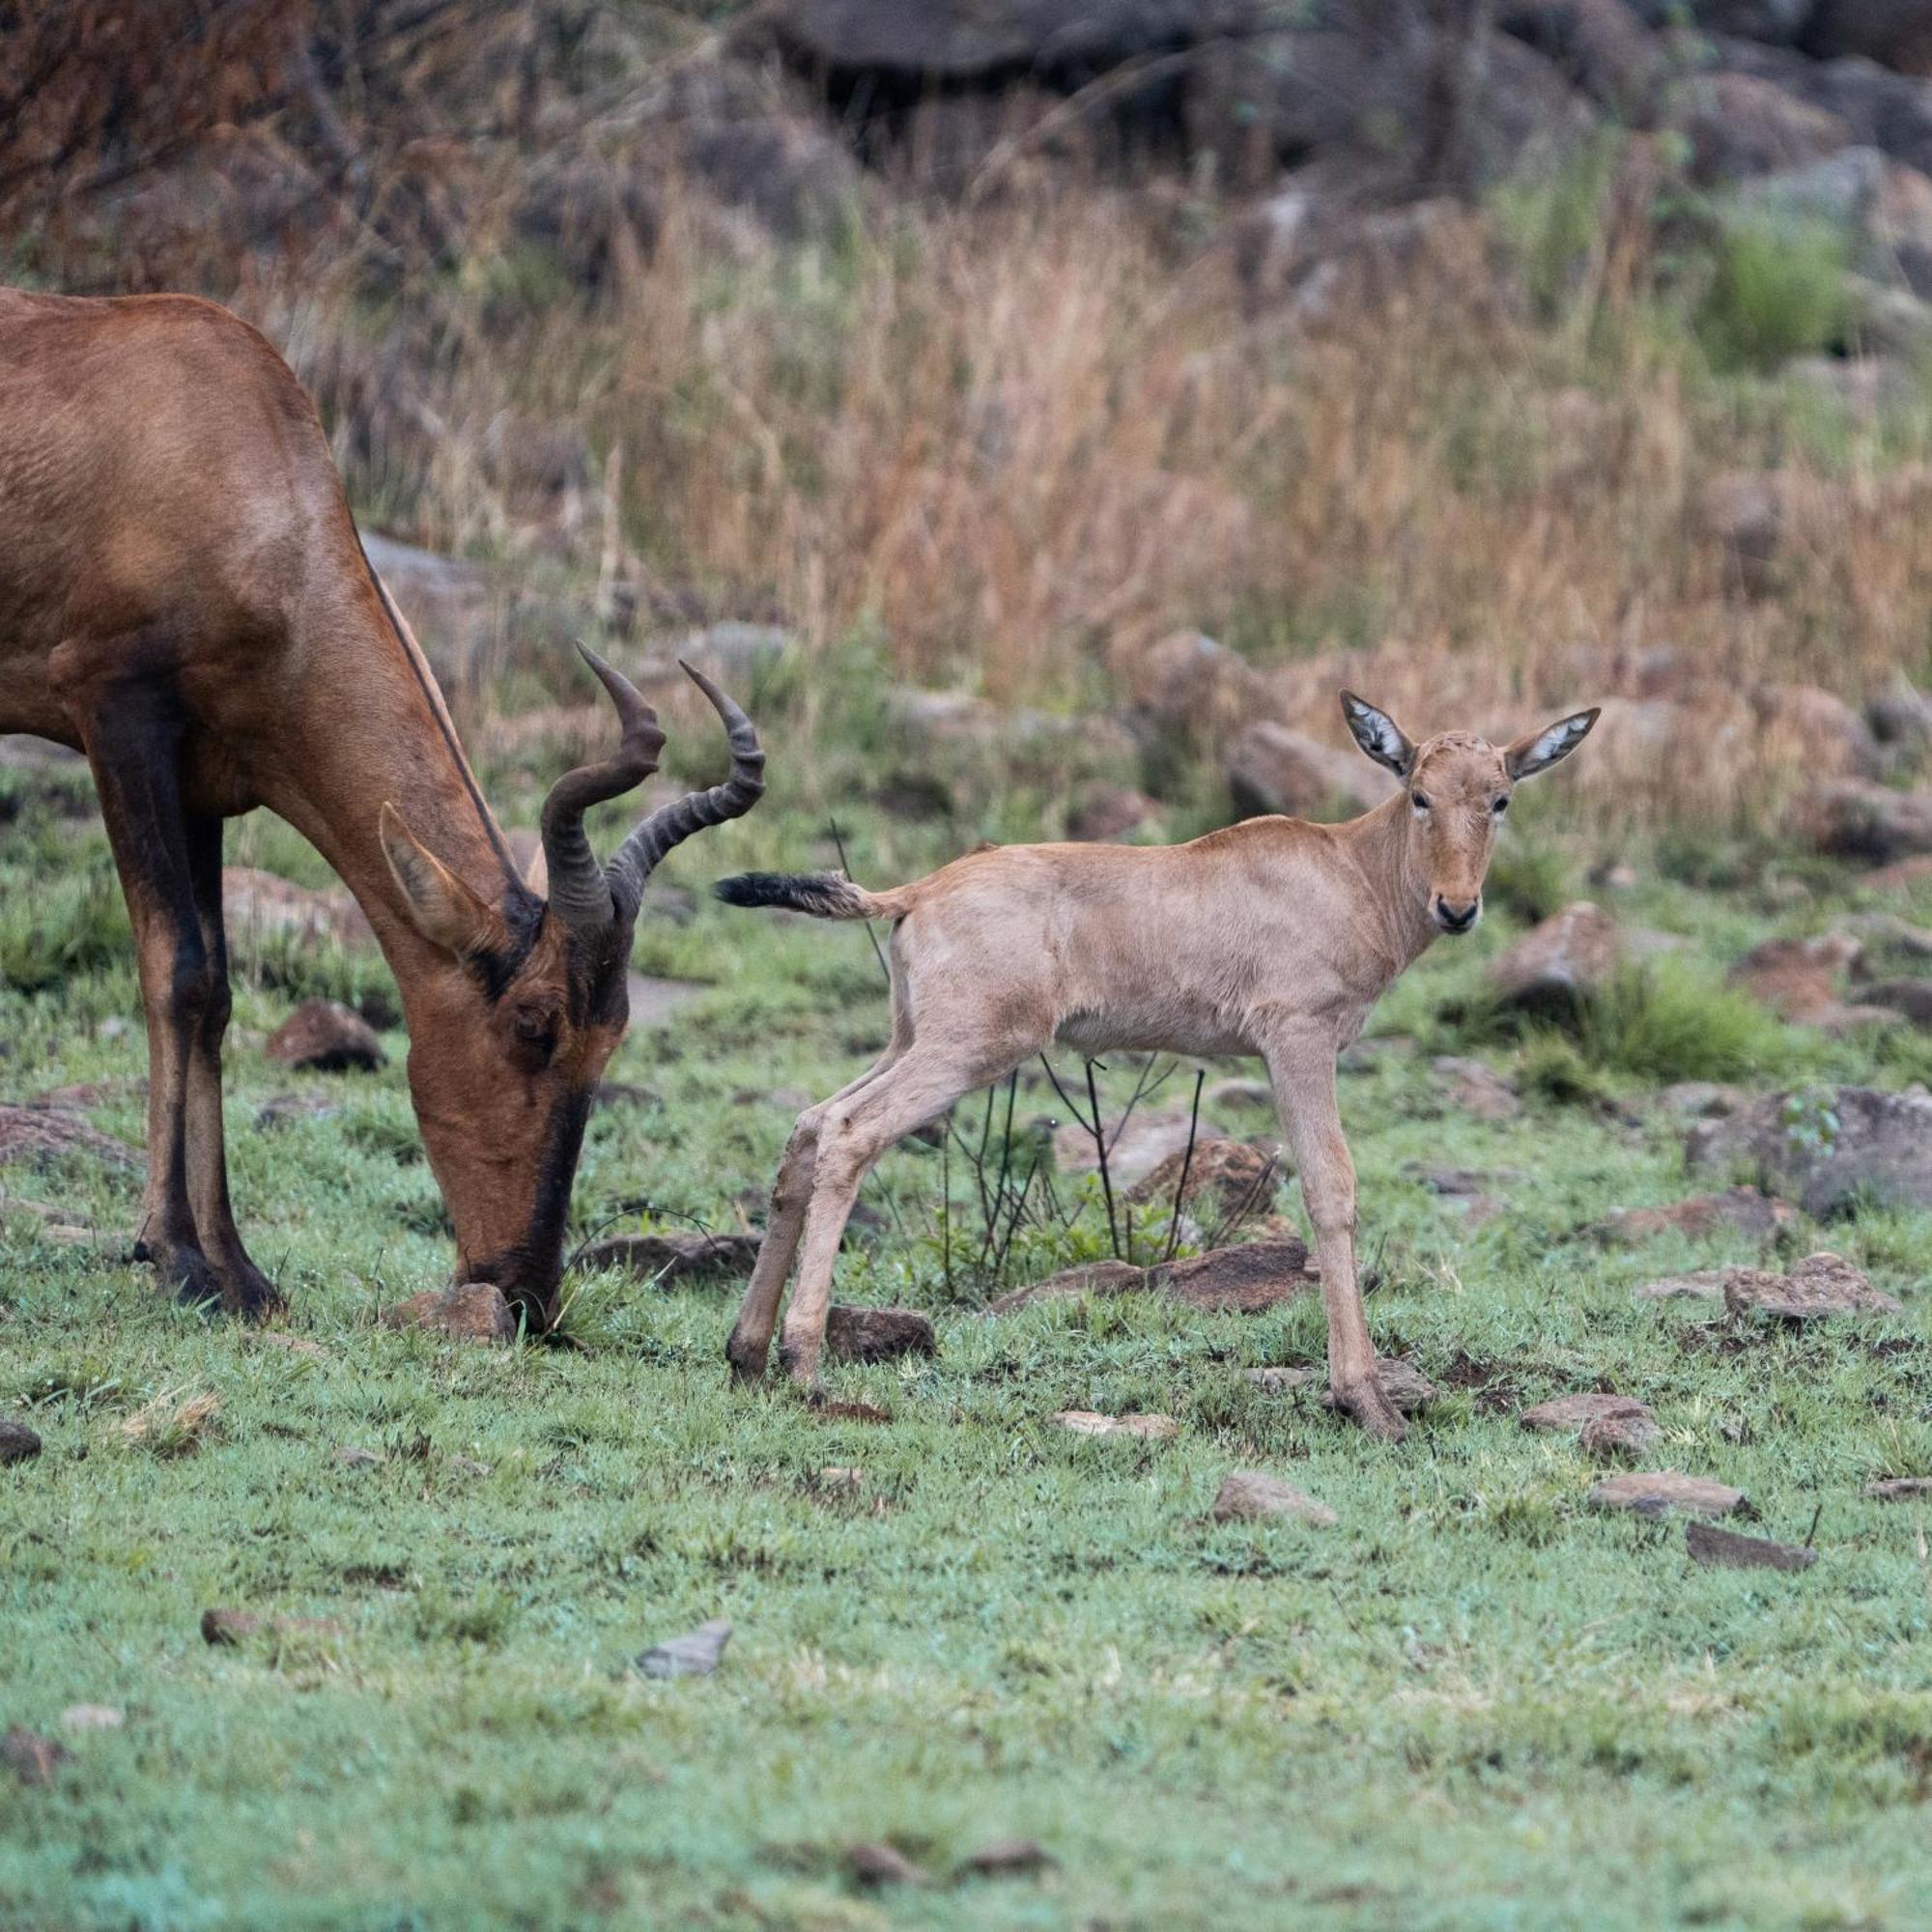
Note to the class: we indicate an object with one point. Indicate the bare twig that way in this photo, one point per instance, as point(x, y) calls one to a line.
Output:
point(1187, 1167)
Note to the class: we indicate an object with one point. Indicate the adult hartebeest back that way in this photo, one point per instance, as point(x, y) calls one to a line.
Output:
point(1274, 937)
point(184, 598)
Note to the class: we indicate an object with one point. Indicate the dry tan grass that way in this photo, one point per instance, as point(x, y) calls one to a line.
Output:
point(175, 1423)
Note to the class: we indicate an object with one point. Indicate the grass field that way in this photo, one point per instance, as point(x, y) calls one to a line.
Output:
point(1475, 1701)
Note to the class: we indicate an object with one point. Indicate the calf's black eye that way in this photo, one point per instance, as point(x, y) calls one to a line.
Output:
point(1499, 805)
point(1419, 801)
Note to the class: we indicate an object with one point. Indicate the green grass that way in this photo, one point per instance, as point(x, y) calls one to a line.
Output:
point(1474, 1703)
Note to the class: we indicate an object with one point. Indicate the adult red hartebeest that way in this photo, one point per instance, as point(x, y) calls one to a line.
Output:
point(184, 597)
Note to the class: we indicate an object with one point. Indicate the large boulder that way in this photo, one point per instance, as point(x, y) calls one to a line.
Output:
point(1738, 125)
point(1826, 1149)
point(1196, 689)
point(1274, 769)
point(1892, 112)
point(1853, 818)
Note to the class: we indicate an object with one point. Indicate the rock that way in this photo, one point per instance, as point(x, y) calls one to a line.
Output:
point(1089, 1278)
point(1850, 818)
point(1799, 979)
point(1726, 1548)
point(1564, 1414)
point(258, 906)
point(873, 1865)
point(468, 1466)
point(1273, 769)
point(1739, 126)
point(18, 1443)
point(1819, 1285)
point(1135, 1146)
point(1237, 1092)
point(1701, 1285)
point(1609, 1438)
point(1897, 1489)
point(1776, 21)
point(1744, 513)
point(1006, 1858)
point(474, 1310)
point(877, 1334)
point(40, 1136)
point(1737, 1211)
point(1802, 723)
point(1250, 1495)
point(1561, 965)
point(1086, 1422)
point(1910, 999)
point(695, 1653)
point(1901, 714)
point(1403, 1382)
point(684, 1255)
point(1106, 811)
point(829, 1411)
point(1228, 1179)
point(93, 1718)
point(1472, 1088)
point(1701, 1099)
point(1192, 687)
point(227, 1627)
point(286, 1108)
point(1896, 34)
point(325, 1035)
point(1658, 1491)
point(453, 608)
point(1827, 1147)
point(1906, 876)
point(294, 1345)
point(1600, 46)
point(1245, 1280)
point(843, 1479)
point(32, 1758)
point(656, 1002)
point(352, 1456)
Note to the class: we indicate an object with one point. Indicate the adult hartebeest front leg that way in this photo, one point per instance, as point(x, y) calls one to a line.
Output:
point(1301, 1068)
point(170, 867)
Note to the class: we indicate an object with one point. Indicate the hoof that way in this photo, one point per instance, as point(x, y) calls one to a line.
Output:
point(801, 1364)
point(1365, 1402)
point(747, 1358)
point(247, 1291)
point(184, 1272)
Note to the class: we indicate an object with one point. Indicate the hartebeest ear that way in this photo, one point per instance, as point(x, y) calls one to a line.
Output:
point(1537, 751)
point(1378, 735)
point(446, 911)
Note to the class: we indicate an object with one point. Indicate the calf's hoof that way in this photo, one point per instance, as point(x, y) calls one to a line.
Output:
point(801, 1363)
point(247, 1291)
point(184, 1272)
point(747, 1357)
point(1365, 1402)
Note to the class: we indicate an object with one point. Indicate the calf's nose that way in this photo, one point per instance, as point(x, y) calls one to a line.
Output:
point(1457, 914)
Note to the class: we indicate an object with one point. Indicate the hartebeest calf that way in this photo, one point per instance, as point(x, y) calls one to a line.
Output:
point(184, 598)
point(1274, 937)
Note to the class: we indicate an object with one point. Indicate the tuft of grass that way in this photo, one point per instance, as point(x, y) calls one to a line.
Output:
point(74, 922)
point(174, 1423)
point(1778, 290)
point(1670, 1022)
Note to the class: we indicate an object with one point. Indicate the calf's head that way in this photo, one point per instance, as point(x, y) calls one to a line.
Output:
point(1459, 789)
point(507, 1043)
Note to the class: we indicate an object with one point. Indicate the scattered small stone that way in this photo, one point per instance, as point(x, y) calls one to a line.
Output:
point(695, 1653)
point(1819, 1285)
point(1735, 1211)
point(286, 1108)
point(18, 1443)
point(1726, 1548)
point(1800, 980)
point(1089, 1278)
point(468, 1466)
point(352, 1456)
point(1898, 1489)
point(877, 1334)
point(1614, 1437)
point(93, 1718)
point(1657, 1491)
point(1702, 1099)
point(683, 1256)
point(1473, 1089)
point(32, 1758)
point(1635, 1426)
point(1247, 1496)
point(829, 1411)
point(41, 1135)
point(327, 1037)
point(1087, 1422)
point(294, 1345)
point(227, 1627)
point(1228, 1177)
point(1246, 1280)
point(1006, 1858)
point(1701, 1285)
point(474, 1310)
point(873, 1865)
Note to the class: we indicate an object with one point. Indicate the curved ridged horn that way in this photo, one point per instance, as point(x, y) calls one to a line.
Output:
point(580, 894)
point(671, 824)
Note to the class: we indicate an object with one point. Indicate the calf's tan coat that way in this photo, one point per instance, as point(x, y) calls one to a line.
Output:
point(1274, 937)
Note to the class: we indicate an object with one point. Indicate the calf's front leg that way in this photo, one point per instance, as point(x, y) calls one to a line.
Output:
point(1301, 1068)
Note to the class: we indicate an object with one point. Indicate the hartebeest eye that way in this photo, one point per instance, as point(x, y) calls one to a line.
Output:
point(535, 1028)
point(1499, 805)
point(1420, 801)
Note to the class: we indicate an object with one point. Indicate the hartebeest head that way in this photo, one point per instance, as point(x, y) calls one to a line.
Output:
point(507, 1047)
point(1458, 788)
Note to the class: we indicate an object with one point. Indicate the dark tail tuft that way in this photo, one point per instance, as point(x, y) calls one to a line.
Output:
point(822, 894)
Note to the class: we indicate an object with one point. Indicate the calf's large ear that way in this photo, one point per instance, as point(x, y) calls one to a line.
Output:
point(1537, 751)
point(443, 909)
point(1378, 734)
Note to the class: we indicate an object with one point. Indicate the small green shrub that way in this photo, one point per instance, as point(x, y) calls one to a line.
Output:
point(1778, 290)
point(1666, 1023)
point(71, 923)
